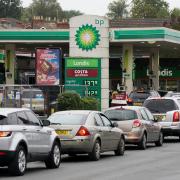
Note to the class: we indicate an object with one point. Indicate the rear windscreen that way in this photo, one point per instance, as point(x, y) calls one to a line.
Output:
point(32, 94)
point(160, 105)
point(3, 120)
point(121, 115)
point(68, 119)
point(139, 95)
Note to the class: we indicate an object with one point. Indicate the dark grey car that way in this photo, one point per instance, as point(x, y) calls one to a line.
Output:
point(88, 132)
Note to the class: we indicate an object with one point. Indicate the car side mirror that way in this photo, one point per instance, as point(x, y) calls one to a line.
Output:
point(114, 124)
point(46, 122)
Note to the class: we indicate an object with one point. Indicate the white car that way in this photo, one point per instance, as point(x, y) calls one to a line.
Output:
point(167, 111)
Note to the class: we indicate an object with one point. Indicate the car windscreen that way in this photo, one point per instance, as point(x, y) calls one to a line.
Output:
point(139, 95)
point(3, 120)
point(121, 115)
point(33, 94)
point(68, 119)
point(160, 105)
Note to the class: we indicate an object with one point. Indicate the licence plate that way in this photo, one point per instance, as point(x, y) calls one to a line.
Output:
point(62, 132)
point(137, 104)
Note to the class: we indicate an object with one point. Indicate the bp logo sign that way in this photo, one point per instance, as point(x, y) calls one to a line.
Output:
point(87, 37)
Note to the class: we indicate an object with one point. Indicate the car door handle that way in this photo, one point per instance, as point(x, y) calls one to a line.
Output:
point(38, 130)
point(24, 129)
point(100, 131)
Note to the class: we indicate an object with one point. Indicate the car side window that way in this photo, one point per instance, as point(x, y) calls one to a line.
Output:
point(32, 118)
point(12, 119)
point(22, 118)
point(106, 121)
point(98, 120)
point(149, 114)
point(144, 115)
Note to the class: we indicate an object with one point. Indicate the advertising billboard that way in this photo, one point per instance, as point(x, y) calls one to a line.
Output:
point(48, 66)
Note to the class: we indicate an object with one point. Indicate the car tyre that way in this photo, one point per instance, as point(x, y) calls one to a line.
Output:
point(18, 166)
point(121, 148)
point(160, 141)
point(96, 152)
point(54, 159)
point(142, 145)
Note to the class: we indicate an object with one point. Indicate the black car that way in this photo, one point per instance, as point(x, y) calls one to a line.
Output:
point(137, 98)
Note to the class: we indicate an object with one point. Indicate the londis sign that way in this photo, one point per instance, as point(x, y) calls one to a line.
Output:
point(83, 75)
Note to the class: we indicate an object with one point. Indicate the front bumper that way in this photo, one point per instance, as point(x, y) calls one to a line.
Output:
point(6, 157)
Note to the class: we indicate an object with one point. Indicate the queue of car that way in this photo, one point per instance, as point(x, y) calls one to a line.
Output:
point(24, 138)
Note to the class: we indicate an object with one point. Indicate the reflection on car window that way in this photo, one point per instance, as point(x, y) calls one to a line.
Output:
point(98, 120)
point(22, 119)
point(12, 119)
point(144, 115)
point(68, 119)
point(106, 121)
point(121, 115)
point(3, 120)
point(33, 120)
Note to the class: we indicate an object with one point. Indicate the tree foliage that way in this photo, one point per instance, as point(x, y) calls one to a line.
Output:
point(117, 9)
point(150, 9)
point(69, 14)
point(44, 8)
point(175, 18)
point(10, 9)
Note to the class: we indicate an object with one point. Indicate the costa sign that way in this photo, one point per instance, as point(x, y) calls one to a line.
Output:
point(82, 72)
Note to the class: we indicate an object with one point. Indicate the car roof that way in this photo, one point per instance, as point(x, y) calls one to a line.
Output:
point(173, 97)
point(126, 107)
point(85, 112)
point(6, 111)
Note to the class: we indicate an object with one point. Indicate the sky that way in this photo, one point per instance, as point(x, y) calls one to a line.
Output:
point(93, 7)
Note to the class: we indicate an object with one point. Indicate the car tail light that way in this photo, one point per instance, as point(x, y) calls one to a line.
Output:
point(176, 117)
point(136, 123)
point(2, 153)
point(83, 131)
point(129, 100)
point(5, 133)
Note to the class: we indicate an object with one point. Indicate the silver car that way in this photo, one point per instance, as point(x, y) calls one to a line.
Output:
point(23, 138)
point(89, 132)
point(138, 125)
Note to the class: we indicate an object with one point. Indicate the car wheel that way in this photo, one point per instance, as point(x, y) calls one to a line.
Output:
point(142, 145)
point(121, 148)
point(54, 159)
point(160, 141)
point(96, 152)
point(19, 163)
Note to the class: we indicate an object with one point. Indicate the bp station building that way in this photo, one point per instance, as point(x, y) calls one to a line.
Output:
point(94, 51)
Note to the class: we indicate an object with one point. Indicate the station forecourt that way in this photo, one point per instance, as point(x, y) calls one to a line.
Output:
point(98, 54)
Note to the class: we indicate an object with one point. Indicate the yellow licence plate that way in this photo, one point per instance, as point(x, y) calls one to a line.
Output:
point(62, 132)
point(137, 104)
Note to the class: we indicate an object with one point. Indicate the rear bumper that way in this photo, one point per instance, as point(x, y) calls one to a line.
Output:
point(6, 157)
point(76, 146)
point(133, 137)
point(171, 131)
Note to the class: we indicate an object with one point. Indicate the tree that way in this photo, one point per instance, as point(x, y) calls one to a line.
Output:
point(68, 14)
point(117, 9)
point(175, 18)
point(150, 9)
point(46, 9)
point(10, 9)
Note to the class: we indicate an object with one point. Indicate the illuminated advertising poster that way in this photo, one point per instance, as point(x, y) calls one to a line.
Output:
point(48, 66)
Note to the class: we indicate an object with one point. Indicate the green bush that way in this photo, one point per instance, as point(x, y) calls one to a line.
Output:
point(73, 101)
point(89, 103)
point(69, 101)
